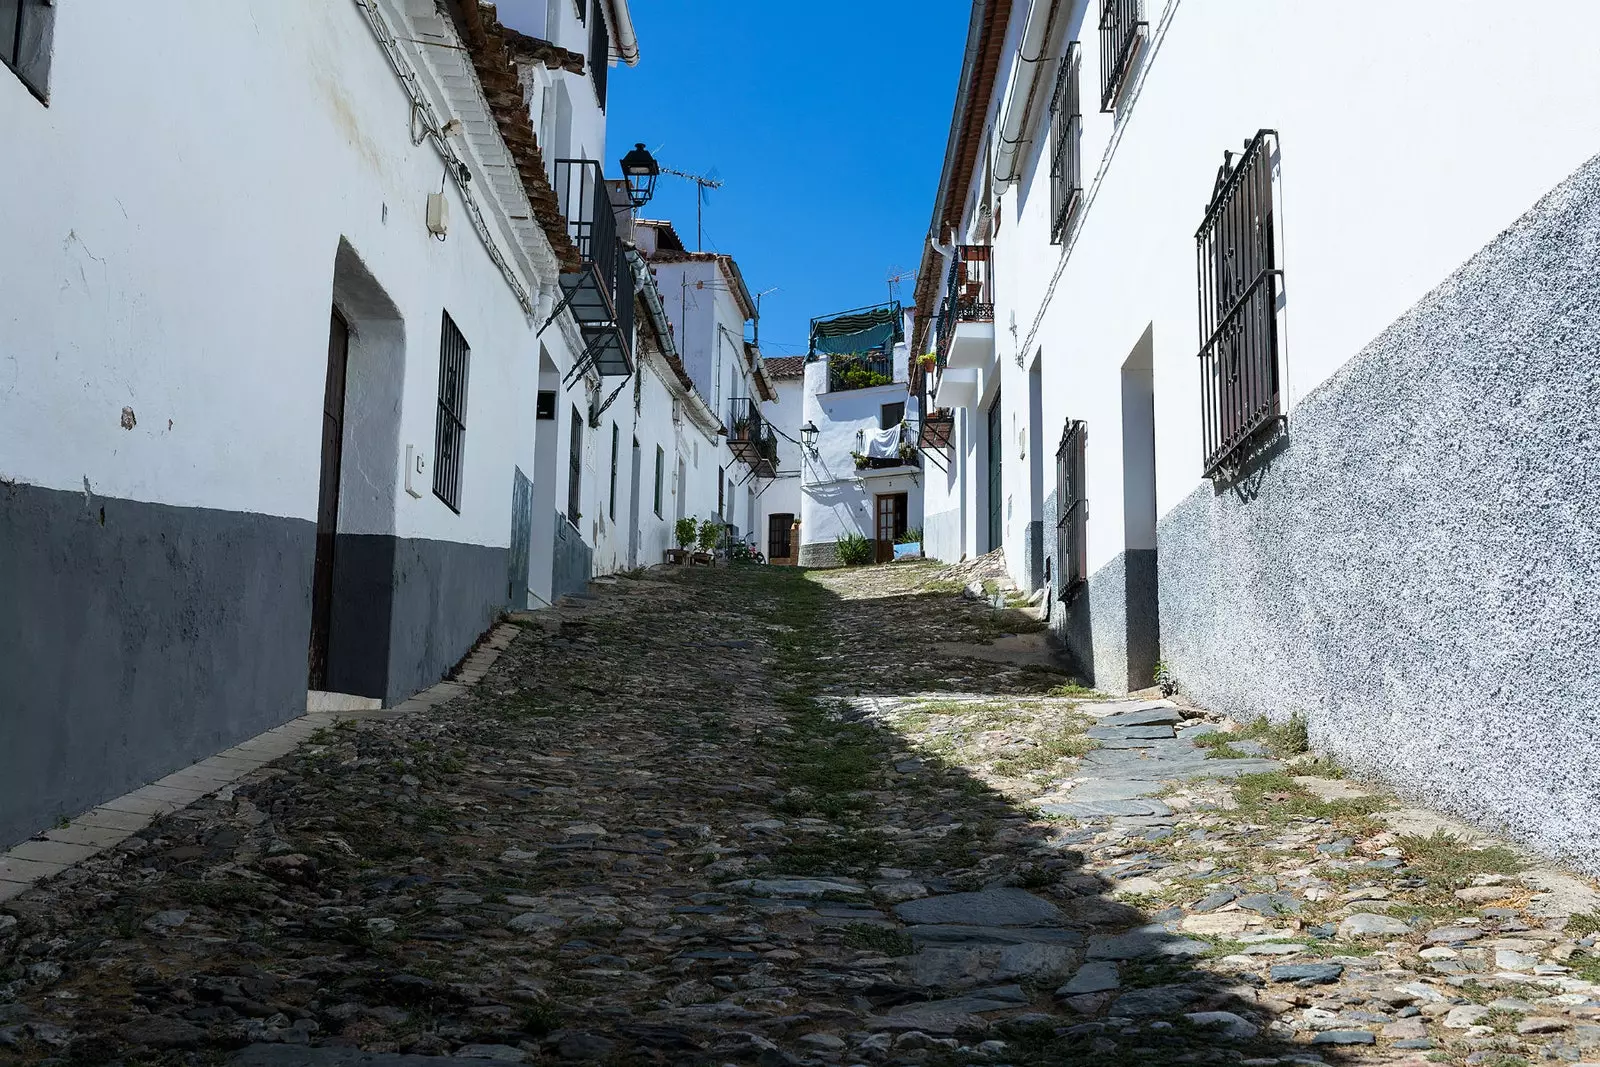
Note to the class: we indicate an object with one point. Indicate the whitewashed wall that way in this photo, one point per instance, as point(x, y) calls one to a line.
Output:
point(782, 495)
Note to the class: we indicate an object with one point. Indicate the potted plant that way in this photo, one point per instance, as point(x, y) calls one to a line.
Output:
point(710, 531)
point(741, 428)
point(683, 531)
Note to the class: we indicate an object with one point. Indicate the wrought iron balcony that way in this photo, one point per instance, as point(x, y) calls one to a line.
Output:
point(968, 296)
point(937, 429)
point(860, 371)
point(751, 438)
point(600, 291)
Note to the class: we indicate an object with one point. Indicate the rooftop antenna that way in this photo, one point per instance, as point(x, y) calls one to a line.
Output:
point(757, 339)
point(896, 276)
point(704, 182)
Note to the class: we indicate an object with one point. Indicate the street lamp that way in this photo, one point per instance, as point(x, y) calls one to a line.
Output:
point(808, 437)
point(640, 169)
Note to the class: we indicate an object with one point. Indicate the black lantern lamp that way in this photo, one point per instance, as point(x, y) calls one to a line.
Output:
point(640, 169)
point(808, 437)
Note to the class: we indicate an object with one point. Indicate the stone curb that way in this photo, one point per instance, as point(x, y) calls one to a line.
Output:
point(53, 851)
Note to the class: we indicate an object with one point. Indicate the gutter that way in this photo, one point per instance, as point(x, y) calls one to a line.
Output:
point(627, 40)
point(1024, 84)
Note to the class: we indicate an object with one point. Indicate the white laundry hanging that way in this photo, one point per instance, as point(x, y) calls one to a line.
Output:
point(882, 444)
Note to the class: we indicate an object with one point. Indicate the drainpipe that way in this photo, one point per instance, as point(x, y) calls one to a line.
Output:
point(627, 40)
point(1031, 61)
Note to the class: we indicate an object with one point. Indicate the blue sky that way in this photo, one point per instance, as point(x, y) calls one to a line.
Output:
point(827, 122)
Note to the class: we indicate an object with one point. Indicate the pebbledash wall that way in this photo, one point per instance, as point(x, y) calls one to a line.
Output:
point(163, 350)
point(1414, 570)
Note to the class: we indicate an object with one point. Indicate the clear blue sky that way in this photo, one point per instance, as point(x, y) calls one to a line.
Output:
point(826, 120)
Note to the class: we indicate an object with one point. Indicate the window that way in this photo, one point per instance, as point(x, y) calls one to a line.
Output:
point(545, 407)
point(661, 470)
point(575, 469)
point(26, 27)
point(720, 501)
point(891, 415)
point(611, 509)
point(583, 10)
point(1236, 260)
point(1072, 527)
point(1122, 29)
point(1066, 145)
point(450, 427)
point(599, 53)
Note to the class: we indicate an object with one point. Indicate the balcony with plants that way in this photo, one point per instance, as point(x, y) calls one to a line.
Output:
point(752, 438)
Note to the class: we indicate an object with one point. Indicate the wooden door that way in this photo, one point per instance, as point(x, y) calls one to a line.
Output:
point(993, 480)
point(891, 524)
point(328, 500)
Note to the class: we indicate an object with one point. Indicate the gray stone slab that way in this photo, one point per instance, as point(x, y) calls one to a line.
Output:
point(1121, 733)
point(1106, 809)
point(1097, 789)
point(792, 887)
point(1151, 717)
point(1096, 976)
point(999, 935)
point(60, 852)
point(1183, 770)
point(1144, 942)
point(112, 820)
point(990, 907)
point(302, 1056)
point(78, 834)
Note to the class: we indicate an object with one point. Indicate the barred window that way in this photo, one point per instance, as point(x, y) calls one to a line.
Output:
point(661, 470)
point(1122, 31)
point(1239, 279)
point(599, 55)
point(575, 469)
point(1066, 140)
point(1072, 504)
point(450, 427)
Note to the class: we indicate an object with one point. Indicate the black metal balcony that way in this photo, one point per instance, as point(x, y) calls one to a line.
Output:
point(600, 291)
point(968, 296)
point(937, 429)
point(860, 371)
point(751, 438)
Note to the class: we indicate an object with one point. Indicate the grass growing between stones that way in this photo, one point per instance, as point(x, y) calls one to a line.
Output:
point(1276, 799)
point(1450, 862)
point(1282, 739)
point(1067, 741)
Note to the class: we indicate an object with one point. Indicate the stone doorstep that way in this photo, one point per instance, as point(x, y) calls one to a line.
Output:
point(115, 820)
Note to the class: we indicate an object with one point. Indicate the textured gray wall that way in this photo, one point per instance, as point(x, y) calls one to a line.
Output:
point(1033, 555)
point(1414, 570)
point(134, 645)
point(445, 596)
point(574, 560)
point(819, 554)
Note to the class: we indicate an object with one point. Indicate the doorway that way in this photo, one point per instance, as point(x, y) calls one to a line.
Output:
point(780, 545)
point(635, 520)
point(996, 452)
point(518, 558)
point(891, 524)
point(328, 499)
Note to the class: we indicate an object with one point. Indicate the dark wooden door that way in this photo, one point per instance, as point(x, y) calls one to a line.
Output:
point(891, 524)
point(328, 499)
point(995, 452)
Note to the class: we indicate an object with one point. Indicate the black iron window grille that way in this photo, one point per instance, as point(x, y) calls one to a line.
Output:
point(1066, 151)
point(575, 469)
point(616, 444)
point(661, 473)
point(1239, 279)
point(599, 54)
point(968, 296)
point(583, 10)
point(1122, 30)
point(862, 371)
point(26, 27)
point(450, 427)
point(1072, 504)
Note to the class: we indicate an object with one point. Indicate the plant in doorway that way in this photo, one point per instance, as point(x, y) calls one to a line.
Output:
point(710, 532)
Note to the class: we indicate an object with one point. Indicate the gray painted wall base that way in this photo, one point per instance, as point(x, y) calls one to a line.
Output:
point(819, 554)
point(446, 595)
point(1414, 569)
point(574, 560)
point(1112, 627)
point(136, 639)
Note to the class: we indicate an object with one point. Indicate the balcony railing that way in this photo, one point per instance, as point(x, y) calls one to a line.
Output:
point(860, 372)
point(751, 437)
point(937, 428)
point(968, 296)
point(600, 291)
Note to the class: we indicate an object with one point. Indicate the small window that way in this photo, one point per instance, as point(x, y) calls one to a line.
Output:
point(616, 443)
point(599, 54)
point(26, 29)
point(1122, 32)
point(1239, 281)
point(1066, 140)
point(891, 415)
point(545, 407)
point(661, 471)
point(1072, 528)
point(575, 469)
point(450, 427)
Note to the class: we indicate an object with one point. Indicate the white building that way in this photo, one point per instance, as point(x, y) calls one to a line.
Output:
point(779, 498)
point(1216, 374)
point(861, 473)
point(273, 362)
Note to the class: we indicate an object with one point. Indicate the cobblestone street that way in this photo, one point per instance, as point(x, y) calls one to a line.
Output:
point(751, 815)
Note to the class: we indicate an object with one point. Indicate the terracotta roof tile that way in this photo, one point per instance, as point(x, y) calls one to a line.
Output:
point(786, 367)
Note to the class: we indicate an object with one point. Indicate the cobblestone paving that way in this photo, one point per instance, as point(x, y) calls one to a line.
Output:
point(751, 816)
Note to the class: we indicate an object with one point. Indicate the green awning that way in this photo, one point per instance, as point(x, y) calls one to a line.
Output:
point(857, 331)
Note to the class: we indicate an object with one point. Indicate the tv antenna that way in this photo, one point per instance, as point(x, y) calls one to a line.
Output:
point(704, 182)
point(896, 276)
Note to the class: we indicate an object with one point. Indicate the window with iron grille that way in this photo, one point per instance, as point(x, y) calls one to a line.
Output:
point(575, 469)
point(1239, 279)
point(1072, 504)
point(599, 54)
point(616, 443)
point(450, 427)
point(661, 473)
point(1066, 145)
point(583, 10)
point(1122, 32)
point(26, 27)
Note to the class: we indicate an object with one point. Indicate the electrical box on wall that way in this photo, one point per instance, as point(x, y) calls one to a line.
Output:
point(415, 471)
point(438, 214)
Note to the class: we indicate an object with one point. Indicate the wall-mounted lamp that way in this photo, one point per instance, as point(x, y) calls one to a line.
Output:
point(808, 437)
point(640, 169)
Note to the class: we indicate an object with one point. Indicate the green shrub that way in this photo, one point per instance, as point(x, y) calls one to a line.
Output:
point(912, 536)
point(854, 550)
point(710, 532)
point(684, 531)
